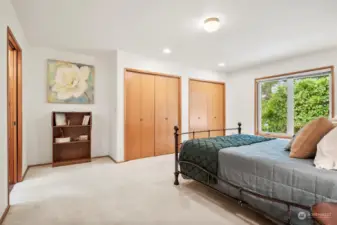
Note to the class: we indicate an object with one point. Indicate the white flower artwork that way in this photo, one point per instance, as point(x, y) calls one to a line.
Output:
point(70, 83)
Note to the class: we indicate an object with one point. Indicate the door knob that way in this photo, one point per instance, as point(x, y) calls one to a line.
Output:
point(166, 118)
point(214, 117)
point(198, 118)
point(141, 119)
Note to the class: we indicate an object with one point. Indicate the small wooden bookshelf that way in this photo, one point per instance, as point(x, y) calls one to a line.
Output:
point(75, 151)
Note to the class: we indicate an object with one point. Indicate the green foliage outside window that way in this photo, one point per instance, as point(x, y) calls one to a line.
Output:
point(274, 107)
point(311, 100)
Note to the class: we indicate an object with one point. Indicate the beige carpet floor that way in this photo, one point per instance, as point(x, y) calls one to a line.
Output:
point(135, 192)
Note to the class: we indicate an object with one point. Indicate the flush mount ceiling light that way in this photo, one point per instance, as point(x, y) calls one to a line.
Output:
point(221, 64)
point(211, 24)
point(166, 51)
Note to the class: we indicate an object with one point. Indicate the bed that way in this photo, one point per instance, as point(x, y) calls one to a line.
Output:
point(258, 173)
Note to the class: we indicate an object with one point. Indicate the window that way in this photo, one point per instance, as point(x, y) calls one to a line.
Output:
point(285, 103)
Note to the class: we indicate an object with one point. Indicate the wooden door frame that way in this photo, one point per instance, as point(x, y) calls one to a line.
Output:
point(11, 40)
point(189, 98)
point(145, 72)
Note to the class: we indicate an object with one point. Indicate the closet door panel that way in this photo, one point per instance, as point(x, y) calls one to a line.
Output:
point(209, 91)
point(132, 115)
point(147, 116)
point(217, 109)
point(198, 108)
point(166, 113)
point(161, 115)
point(173, 111)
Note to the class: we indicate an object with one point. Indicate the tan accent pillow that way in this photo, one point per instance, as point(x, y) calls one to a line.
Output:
point(305, 143)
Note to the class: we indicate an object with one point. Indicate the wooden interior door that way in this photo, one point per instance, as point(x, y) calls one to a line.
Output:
point(161, 115)
point(139, 115)
point(132, 115)
point(147, 122)
point(14, 110)
point(173, 96)
point(166, 113)
point(198, 108)
point(12, 115)
point(206, 108)
point(216, 117)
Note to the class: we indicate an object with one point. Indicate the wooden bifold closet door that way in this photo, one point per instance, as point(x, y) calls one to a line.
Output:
point(206, 108)
point(151, 112)
point(139, 125)
point(166, 113)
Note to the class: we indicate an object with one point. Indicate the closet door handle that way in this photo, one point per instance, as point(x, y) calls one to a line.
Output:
point(214, 117)
point(198, 118)
point(141, 119)
point(166, 118)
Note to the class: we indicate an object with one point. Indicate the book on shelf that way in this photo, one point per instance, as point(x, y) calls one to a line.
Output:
point(86, 119)
point(60, 119)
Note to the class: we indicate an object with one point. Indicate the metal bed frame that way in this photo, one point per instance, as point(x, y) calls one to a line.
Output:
point(241, 190)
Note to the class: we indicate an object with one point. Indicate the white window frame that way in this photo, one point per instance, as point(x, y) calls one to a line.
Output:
point(290, 100)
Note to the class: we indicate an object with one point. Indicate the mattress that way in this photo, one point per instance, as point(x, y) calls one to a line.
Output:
point(265, 168)
point(204, 152)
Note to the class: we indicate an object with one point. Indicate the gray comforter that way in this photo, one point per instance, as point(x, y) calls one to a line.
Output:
point(267, 169)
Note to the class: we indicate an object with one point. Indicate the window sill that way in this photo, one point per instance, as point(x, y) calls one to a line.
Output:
point(284, 136)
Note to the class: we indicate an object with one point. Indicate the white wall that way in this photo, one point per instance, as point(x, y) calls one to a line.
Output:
point(128, 60)
point(8, 18)
point(113, 104)
point(38, 113)
point(240, 84)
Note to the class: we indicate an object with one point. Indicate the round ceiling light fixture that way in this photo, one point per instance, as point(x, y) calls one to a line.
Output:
point(211, 24)
point(221, 64)
point(167, 51)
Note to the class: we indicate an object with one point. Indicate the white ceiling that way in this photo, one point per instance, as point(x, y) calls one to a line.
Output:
point(252, 31)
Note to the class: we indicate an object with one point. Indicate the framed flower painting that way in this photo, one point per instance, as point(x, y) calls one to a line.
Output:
point(71, 83)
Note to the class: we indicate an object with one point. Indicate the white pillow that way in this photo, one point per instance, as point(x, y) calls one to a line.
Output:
point(326, 156)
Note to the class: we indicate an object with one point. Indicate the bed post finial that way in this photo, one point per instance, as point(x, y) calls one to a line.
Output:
point(239, 128)
point(176, 148)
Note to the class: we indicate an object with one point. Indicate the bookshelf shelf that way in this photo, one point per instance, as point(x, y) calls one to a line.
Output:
point(70, 126)
point(72, 142)
point(75, 151)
